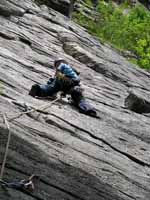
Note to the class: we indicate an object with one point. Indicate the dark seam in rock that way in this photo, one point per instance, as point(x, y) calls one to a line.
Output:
point(127, 195)
point(136, 160)
point(103, 161)
point(71, 132)
point(5, 36)
point(25, 41)
point(133, 182)
point(63, 190)
point(102, 103)
point(5, 82)
point(6, 96)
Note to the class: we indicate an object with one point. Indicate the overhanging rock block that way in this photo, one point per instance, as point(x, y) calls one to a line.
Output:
point(138, 102)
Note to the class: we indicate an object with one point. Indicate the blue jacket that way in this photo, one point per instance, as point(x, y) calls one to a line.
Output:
point(68, 71)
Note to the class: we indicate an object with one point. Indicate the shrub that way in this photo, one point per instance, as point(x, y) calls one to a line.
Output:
point(129, 31)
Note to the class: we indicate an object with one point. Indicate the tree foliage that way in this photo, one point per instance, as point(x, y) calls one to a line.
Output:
point(123, 27)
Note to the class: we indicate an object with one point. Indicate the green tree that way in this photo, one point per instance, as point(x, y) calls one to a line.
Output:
point(130, 31)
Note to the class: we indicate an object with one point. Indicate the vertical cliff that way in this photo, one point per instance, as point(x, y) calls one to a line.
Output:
point(76, 156)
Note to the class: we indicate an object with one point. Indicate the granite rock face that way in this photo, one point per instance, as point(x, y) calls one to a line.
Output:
point(76, 156)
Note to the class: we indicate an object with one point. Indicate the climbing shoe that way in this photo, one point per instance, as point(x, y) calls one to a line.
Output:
point(35, 90)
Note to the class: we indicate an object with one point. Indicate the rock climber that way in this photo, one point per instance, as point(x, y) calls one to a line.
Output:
point(66, 80)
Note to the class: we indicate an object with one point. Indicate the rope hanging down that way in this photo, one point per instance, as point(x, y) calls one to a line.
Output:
point(7, 146)
point(43, 107)
point(9, 132)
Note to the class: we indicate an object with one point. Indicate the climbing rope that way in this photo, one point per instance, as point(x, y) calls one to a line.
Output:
point(7, 146)
point(9, 132)
point(43, 107)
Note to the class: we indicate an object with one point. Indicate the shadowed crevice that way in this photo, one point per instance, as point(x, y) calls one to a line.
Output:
point(137, 104)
